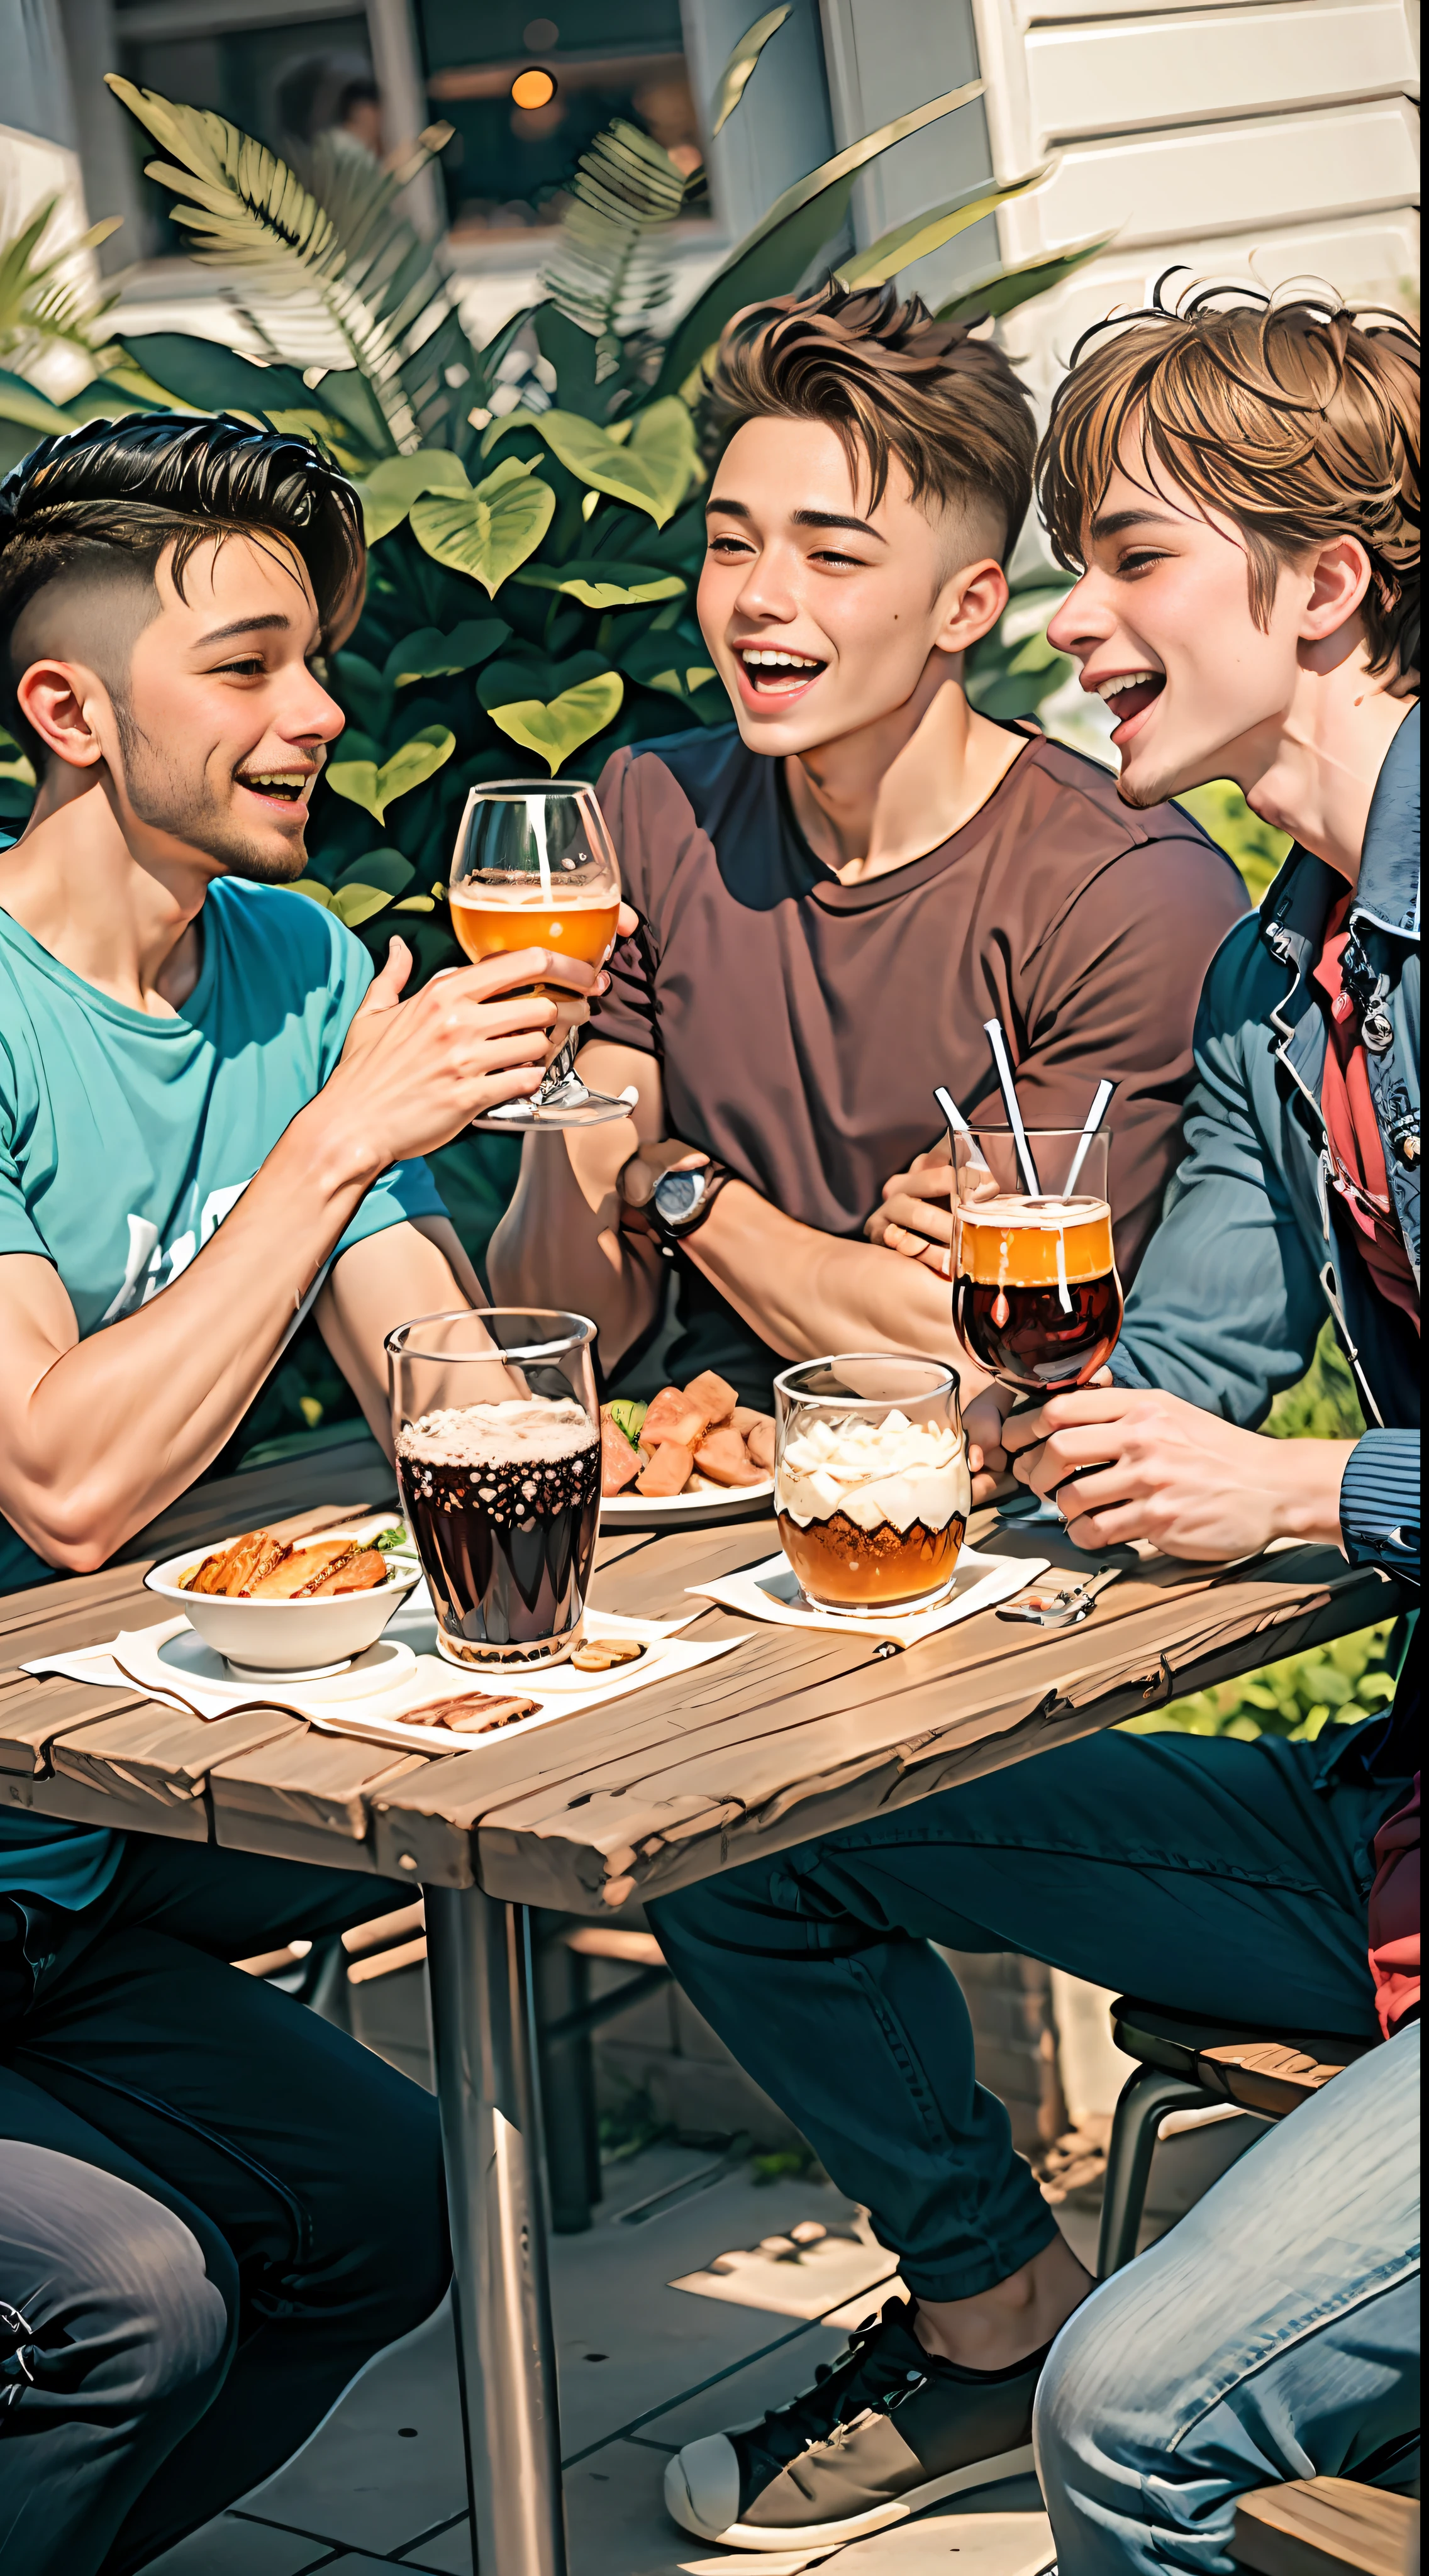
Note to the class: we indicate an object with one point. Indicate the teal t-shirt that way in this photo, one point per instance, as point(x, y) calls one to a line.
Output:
point(125, 1140)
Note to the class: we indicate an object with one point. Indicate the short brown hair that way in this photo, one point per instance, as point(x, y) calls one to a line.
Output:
point(890, 380)
point(1298, 419)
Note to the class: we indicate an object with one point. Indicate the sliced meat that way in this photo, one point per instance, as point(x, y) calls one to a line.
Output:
point(222, 1573)
point(744, 1418)
point(469, 1712)
point(667, 1468)
point(299, 1573)
point(759, 1441)
point(714, 1397)
point(252, 1558)
point(619, 1462)
point(673, 1416)
point(206, 1577)
point(360, 1573)
point(723, 1458)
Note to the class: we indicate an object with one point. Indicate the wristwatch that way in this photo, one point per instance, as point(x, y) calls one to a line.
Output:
point(681, 1201)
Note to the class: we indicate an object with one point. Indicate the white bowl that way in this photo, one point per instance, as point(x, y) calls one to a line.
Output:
point(291, 1637)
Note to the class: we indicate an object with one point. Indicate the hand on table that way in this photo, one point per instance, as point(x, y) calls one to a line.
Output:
point(1163, 1470)
point(916, 1214)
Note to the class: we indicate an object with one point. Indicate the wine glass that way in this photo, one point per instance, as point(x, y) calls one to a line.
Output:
point(535, 867)
point(1036, 1297)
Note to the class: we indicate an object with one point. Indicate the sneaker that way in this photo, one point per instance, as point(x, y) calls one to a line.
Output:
point(884, 2431)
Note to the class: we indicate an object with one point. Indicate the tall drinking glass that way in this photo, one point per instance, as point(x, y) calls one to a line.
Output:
point(496, 1427)
point(535, 867)
point(871, 1484)
point(1036, 1298)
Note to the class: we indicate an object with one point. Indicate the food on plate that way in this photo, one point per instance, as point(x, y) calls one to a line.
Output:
point(724, 1458)
point(259, 1567)
point(696, 1439)
point(471, 1712)
point(602, 1654)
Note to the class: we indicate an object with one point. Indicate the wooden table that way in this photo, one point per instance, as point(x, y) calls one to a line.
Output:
point(792, 1736)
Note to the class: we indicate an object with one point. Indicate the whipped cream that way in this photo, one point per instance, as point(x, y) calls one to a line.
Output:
point(894, 1471)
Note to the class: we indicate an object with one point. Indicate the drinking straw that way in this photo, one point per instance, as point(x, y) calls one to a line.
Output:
point(998, 1044)
point(1095, 1115)
point(959, 1124)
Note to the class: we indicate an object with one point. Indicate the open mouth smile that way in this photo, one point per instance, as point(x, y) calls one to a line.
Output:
point(770, 675)
point(277, 786)
point(1129, 694)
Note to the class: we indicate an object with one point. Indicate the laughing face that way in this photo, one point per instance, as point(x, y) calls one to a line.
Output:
point(821, 612)
point(1161, 624)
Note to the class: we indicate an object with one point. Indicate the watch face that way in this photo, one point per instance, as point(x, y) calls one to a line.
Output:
point(678, 1194)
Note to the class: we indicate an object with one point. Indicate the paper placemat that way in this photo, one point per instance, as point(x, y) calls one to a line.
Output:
point(172, 1664)
point(771, 1591)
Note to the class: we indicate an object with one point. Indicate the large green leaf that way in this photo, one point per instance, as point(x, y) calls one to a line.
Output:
point(650, 478)
point(734, 79)
point(386, 869)
point(885, 257)
point(597, 583)
point(430, 655)
point(554, 731)
point(534, 675)
point(487, 533)
point(678, 669)
point(664, 446)
point(20, 402)
point(797, 227)
point(390, 490)
point(363, 782)
point(354, 903)
point(205, 376)
point(1001, 290)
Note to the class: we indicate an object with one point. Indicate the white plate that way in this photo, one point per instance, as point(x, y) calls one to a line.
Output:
point(686, 1511)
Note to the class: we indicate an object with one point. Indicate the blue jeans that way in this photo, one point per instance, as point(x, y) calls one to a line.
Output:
point(1273, 2334)
point(1199, 1872)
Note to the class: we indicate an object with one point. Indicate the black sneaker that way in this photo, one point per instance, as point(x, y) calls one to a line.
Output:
point(884, 2431)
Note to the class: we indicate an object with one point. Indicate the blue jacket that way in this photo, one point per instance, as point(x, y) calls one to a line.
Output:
point(1254, 1247)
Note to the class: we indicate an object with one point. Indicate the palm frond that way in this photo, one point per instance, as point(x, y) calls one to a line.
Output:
point(601, 274)
point(333, 251)
point(43, 301)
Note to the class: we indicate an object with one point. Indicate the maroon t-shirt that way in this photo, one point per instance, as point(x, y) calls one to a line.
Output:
point(801, 1024)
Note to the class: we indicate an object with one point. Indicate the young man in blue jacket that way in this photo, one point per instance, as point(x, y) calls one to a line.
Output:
point(1238, 488)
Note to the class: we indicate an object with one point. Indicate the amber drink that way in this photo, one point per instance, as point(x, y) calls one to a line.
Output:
point(1037, 1300)
point(871, 1483)
point(488, 924)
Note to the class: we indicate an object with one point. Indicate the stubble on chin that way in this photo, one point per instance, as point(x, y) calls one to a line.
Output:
point(184, 808)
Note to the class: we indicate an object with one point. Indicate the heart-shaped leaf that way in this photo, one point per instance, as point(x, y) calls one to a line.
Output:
point(374, 788)
point(364, 691)
point(556, 730)
point(535, 675)
point(309, 886)
point(392, 487)
point(664, 445)
point(595, 459)
point(488, 532)
point(430, 655)
point(356, 903)
point(597, 583)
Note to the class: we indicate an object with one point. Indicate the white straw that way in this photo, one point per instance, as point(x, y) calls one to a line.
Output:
point(1095, 1115)
point(959, 1125)
point(998, 1044)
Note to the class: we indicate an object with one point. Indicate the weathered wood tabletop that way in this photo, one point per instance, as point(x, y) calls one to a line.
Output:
point(794, 1734)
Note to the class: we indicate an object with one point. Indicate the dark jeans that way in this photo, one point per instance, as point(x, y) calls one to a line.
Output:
point(214, 2207)
point(1197, 1872)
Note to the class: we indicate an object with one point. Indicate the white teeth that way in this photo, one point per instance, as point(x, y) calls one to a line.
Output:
point(1109, 689)
point(278, 778)
point(769, 660)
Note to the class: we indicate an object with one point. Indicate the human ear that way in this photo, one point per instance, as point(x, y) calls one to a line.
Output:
point(1339, 576)
point(56, 698)
point(971, 604)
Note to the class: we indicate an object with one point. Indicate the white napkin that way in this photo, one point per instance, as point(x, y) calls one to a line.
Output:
point(771, 1591)
point(171, 1663)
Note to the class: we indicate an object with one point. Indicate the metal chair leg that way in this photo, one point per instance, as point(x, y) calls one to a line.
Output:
point(1146, 2097)
point(567, 2069)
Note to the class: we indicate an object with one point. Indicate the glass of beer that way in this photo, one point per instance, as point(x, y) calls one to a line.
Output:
point(496, 1429)
point(871, 1485)
point(1036, 1298)
point(535, 867)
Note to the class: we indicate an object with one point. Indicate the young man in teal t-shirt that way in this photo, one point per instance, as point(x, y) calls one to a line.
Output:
point(210, 1114)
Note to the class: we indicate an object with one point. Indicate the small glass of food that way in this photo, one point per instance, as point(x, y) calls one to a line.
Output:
point(872, 1489)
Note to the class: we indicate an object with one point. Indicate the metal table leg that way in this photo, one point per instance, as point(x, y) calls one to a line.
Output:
point(479, 1952)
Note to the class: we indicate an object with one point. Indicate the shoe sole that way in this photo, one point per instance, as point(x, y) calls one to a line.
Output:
point(855, 2526)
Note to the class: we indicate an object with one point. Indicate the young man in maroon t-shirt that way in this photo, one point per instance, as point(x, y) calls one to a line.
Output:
point(839, 887)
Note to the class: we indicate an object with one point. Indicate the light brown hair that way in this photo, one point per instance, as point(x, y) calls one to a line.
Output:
point(890, 380)
point(1296, 419)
